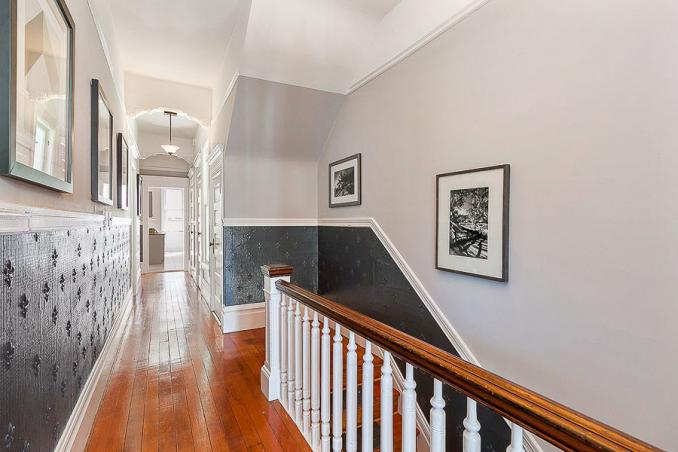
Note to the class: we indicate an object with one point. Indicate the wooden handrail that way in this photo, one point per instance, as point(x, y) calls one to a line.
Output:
point(555, 423)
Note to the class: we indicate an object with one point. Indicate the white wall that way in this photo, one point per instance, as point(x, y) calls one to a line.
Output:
point(90, 62)
point(581, 99)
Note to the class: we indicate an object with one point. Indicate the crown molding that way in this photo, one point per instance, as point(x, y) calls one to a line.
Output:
point(421, 42)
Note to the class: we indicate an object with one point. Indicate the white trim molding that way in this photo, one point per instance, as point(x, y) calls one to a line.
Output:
point(16, 218)
point(421, 42)
point(244, 317)
point(270, 222)
point(76, 433)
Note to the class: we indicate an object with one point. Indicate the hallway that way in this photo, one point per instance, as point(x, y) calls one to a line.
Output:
point(179, 384)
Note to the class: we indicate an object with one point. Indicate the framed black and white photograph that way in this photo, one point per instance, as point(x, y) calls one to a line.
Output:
point(122, 172)
point(102, 146)
point(345, 182)
point(36, 92)
point(472, 212)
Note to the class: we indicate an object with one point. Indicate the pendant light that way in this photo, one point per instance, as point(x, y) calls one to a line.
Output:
point(170, 148)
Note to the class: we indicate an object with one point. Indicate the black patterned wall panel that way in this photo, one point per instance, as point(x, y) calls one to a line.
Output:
point(60, 294)
point(356, 270)
point(247, 248)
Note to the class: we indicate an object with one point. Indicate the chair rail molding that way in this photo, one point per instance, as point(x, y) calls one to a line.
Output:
point(18, 218)
point(270, 222)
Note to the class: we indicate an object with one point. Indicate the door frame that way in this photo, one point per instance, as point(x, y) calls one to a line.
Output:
point(215, 171)
point(163, 182)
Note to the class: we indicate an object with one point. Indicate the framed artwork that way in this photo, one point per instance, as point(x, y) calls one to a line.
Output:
point(102, 146)
point(472, 213)
point(36, 92)
point(345, 182)
point(122, 171)
point(140, 186)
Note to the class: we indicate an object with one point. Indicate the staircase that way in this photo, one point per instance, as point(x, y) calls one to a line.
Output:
point(332, 387)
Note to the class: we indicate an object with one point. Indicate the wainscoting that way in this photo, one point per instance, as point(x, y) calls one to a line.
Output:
point(61, 292)
point(353, 268)
point(247, 248)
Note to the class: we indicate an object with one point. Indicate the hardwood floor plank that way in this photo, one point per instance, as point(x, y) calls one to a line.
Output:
point(178, 383)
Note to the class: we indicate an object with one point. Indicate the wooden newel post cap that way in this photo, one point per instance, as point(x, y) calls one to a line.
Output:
point(277, 270)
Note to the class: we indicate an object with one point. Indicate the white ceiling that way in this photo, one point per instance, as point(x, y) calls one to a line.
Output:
point(174, 40)
point(331, 45)
point(156, 122)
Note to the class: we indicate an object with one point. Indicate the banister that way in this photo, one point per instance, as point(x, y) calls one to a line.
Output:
point(550, 420)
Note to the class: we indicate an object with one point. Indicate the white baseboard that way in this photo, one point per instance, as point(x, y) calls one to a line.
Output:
point(75, 435)
point(244, 317)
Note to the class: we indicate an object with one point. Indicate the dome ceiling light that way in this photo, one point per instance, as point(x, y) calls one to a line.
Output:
point(170, 148)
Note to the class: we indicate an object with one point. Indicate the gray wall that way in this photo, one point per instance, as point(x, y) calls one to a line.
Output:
point(90, 62)
point(275, 136)
point(580, 98)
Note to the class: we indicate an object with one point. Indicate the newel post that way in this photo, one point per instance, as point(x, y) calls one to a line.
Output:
point(270, 371)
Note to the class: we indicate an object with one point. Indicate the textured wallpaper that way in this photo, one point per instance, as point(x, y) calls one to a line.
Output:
point(247, 248)
point(60, 293)
point(356, 270)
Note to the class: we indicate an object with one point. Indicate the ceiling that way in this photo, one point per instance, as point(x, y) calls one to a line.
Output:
point(331, 45)
point(174, 40)
point(156, 122)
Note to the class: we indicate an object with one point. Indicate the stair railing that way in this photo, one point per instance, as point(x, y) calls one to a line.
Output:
point(299, 374)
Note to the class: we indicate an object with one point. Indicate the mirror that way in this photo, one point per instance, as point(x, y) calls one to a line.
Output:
point(36, 79)
point(102, 147)
point(122, 172)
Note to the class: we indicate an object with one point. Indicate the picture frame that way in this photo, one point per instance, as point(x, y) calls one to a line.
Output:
point(472, 222)
point(122, 172)
point(36, 95)
point(102, 146)
point(345, 182)
point(140, 186)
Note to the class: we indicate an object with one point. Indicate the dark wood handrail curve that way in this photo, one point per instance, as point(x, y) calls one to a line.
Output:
point(555, 423)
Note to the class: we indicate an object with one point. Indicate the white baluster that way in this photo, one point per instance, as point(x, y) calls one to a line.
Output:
point(291, 376)
point(337, 388)
point(409, 411)
point(351, 395)
point(325, 388)
point(368, 393)
point(298, 369)
point(306, 354)
point(270, 371)
point(315, 378)
point(437, 418)
point(471, 427)
point(283, 350)
point(386, 440)
point(516, 439)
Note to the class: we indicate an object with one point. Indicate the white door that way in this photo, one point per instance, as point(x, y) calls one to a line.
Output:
point(215, 239)
point(191, 227)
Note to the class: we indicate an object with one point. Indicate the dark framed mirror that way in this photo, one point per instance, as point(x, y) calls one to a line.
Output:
point(36, 92)
point(102, 146)
point(122, 171)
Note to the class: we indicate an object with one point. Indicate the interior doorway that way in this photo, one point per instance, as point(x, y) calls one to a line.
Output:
point(165, 215)
point(166, 229)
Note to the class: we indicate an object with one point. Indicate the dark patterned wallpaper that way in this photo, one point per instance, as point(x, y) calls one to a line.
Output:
point(356, 270)
point(247, 248)
point(59, 297)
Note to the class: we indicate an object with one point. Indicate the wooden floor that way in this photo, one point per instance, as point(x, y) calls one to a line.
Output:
point(179, 384)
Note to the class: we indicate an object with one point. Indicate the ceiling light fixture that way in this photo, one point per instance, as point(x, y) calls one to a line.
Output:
point(170, 148)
